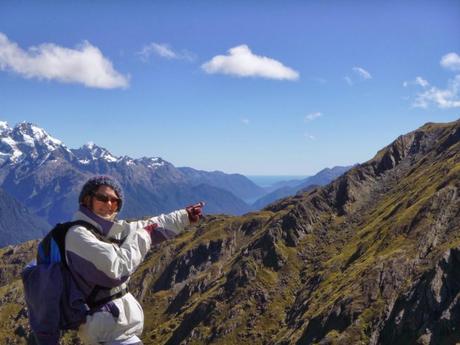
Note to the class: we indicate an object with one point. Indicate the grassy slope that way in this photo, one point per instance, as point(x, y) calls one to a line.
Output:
point(336, 265)
point(351, 252)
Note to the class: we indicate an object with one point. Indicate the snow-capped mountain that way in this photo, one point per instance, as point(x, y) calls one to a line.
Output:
point(91, 152)
point(46, 176)
point(25, 141)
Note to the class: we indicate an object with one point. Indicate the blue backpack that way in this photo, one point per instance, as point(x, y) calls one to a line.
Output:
point(53, 298)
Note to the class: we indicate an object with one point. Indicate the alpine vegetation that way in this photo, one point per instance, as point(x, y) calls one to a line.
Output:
point(370, 258)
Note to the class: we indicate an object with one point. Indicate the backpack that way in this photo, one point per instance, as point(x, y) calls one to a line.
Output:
point(53, 298)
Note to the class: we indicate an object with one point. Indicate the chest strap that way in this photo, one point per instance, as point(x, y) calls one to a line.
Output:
point(95, 304)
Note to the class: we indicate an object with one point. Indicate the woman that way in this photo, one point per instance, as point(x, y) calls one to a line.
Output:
point(102, 269)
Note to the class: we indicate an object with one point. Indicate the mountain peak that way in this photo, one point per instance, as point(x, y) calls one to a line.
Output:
point(91, 152)
point(90, 145)
point(422, 140)
point(4, 128)
point(152, 162)
point(25, 139)
point(31, 135)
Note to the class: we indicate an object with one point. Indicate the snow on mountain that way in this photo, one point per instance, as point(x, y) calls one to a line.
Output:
point(8, 147)
point(152, 162)
point(127, 160)
point(4, 127)
point(32, 135)
point(91, 152)
point(98, 152)
point(25, 140)
point(44, 175)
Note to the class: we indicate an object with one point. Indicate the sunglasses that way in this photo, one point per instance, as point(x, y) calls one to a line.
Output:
point(105, 198)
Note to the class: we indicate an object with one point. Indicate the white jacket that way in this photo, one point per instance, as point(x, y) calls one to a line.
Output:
point(98, 263)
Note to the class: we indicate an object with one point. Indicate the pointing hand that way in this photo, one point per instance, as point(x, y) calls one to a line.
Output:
point(195, 212)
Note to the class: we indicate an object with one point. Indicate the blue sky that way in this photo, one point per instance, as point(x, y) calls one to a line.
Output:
point(259, 88)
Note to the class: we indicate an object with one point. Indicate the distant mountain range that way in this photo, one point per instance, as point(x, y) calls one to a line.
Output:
point(371, 258)
point(45, 176)
point(237, 184)
point(292, 187)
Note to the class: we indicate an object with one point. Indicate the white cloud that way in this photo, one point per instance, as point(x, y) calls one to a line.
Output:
point(245, 121)
point(359, 74)
point(422, 82)
point(312, 116)
point(164, 50)
point(362, 73)
point(451, 61)
point(243, 63)
point(84, 65)
point(418, 81)
point(442, 98)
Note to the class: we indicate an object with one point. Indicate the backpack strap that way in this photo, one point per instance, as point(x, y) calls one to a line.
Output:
point(96, 232)
point(93, 303)
point(60, 231)
point(110, 293)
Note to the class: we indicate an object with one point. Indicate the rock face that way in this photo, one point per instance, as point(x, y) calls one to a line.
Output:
point(371, 258)
point(429, 308)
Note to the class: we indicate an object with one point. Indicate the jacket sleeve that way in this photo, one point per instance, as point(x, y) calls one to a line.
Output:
point(103, 263)
point(164, 226)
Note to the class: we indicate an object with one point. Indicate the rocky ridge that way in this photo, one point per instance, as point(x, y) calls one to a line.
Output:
point(371, 258)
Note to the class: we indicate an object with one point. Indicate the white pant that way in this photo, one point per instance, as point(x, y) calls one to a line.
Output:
point(103, 328)
point(134, 340)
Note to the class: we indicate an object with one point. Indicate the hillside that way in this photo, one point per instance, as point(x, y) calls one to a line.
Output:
point(17, 223)
point(371, 258)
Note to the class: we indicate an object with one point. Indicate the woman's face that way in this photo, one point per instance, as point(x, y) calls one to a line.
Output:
point(104, 202)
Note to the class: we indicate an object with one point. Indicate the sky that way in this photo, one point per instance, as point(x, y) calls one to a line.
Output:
point(250, 87)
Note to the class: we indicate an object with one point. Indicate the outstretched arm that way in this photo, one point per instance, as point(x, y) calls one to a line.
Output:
point(167, 226)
